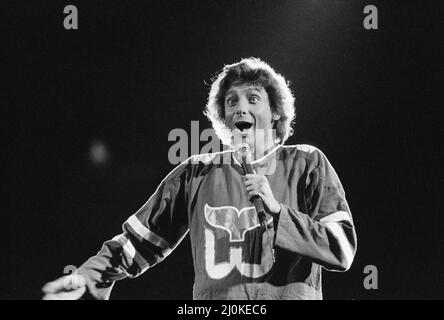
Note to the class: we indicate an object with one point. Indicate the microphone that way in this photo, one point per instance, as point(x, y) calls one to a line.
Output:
point(248, 169)
point(245, 153)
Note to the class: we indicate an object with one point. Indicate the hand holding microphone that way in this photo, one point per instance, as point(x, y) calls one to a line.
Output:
point(257, 186)
point(248, 170)
point(259, 191)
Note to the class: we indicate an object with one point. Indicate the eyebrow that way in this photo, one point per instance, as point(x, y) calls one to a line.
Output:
point(255, 88)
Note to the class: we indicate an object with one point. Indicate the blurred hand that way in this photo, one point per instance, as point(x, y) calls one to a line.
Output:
point(70, 287)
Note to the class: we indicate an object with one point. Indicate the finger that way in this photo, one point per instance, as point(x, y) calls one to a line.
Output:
point(70, 282)
point(250, 188)
point(77, 281)
point(74, 282)
point(55, 296)
point(54, 286)
point(71, 295)
point(50, 296)
point(47, 288)
point(253, 193)
point(252, 179)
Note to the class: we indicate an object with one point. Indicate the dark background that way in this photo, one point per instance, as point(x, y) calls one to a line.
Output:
point(135, 70)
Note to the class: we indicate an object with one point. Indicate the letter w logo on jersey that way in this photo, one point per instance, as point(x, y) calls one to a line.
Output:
point(238, 225)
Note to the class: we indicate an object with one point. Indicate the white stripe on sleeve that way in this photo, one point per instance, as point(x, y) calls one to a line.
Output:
point(147, 234)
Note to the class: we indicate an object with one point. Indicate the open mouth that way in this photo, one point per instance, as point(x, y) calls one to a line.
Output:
point(243, 125)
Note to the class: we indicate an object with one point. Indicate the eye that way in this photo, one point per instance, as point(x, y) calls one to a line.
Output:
point(231, 101)
point(254, 99)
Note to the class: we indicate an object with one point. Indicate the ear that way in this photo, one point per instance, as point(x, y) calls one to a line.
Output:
point(276, 116)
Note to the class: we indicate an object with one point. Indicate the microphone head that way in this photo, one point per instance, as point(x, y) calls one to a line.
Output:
point(243, 151)
point(242, 148)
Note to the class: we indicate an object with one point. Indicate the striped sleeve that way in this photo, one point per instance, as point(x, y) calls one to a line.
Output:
point(325, 233)
point(148, 236)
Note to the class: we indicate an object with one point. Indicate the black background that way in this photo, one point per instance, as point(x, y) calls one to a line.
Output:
point(135, 70)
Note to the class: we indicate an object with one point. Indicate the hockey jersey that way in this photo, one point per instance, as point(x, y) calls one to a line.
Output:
point(234, 256)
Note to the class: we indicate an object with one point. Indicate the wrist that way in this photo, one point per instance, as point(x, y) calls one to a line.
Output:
point(275, 209)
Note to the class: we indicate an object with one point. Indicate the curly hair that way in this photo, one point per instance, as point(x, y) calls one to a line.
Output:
point(252, 71)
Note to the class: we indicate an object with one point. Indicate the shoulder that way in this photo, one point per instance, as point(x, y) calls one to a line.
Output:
point(310, 155)
point(306, 151)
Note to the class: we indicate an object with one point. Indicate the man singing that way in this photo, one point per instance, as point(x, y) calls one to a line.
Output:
point(237, 254)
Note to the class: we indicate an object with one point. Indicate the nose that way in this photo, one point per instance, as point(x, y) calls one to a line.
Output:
point(242, 107)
